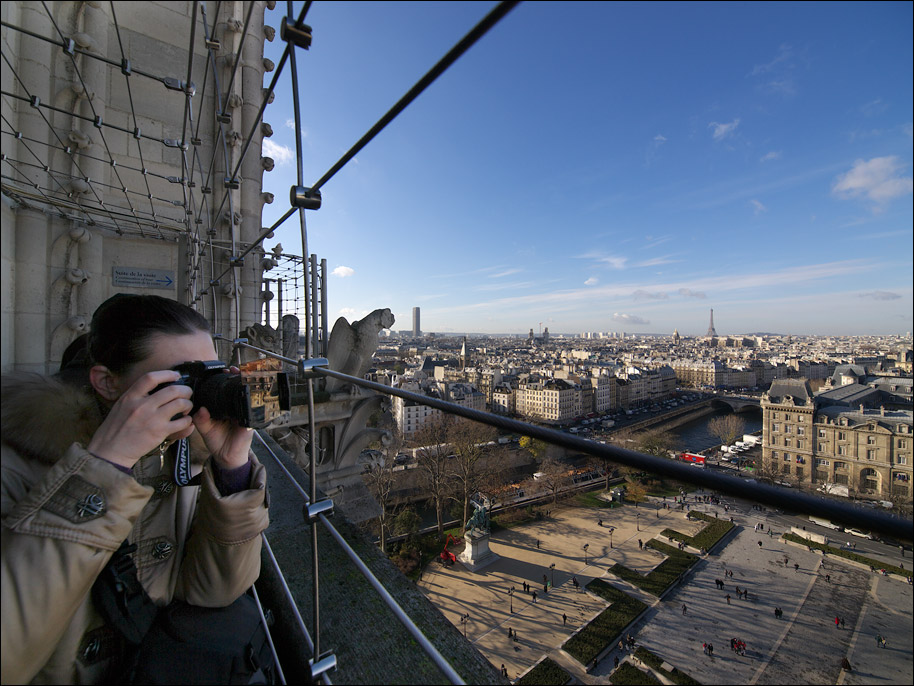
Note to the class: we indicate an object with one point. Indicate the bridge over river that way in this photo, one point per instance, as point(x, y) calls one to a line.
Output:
point(688, 413)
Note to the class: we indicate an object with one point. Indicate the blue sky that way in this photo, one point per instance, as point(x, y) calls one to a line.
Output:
point(610, 166)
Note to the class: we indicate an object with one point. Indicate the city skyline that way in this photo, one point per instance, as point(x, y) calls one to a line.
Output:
point(587, 167)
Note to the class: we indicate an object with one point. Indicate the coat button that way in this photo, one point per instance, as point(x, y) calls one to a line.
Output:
point(162, 550)
point(90, 506)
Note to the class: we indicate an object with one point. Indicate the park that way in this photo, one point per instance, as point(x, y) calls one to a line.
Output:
point(636, 593)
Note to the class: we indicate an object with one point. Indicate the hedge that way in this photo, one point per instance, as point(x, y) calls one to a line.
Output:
point(707, 537)
point(627, 673)
point(849, 554)
point(654, 662)
point(604, 629)
point(664, 575)
point(546, 673)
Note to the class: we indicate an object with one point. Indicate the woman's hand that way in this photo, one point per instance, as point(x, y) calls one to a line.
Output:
point(228, 443)
point(139, 421)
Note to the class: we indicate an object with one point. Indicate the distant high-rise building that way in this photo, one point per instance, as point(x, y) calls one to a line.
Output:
point(546, 335)
point(711, 332)
point(417, 330)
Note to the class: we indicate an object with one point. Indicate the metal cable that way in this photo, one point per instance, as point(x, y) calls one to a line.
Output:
point(465, 44)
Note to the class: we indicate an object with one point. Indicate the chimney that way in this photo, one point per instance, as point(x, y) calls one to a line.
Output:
point(862, 411)
point(882, 410)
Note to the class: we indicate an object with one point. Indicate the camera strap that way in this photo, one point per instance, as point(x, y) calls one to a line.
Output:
point(182, 465)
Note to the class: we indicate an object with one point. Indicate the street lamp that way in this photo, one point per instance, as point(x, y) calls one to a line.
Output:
point(586, 546)
point(464, 620)
point(611, 529)
point(511, 596)
point(552, 567)
point(638, 521)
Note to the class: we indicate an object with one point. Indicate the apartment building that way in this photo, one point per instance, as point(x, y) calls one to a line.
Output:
point(813, 440)
point(553, 401)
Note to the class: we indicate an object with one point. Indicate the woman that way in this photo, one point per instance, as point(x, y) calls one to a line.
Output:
point(87, 466)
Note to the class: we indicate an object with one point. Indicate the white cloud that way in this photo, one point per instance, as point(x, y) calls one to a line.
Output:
point(628, 319)
point(660, 139)
point(722, 131)
point(642, 294)
point(280, 153)
point(592, 281)
point(689, 293)
point(784, 54)
point(348, 312)
point(290, 123)
point(878, 179)
point(506, 272)
point(343, 271)
point(881, 295)
point(773, 155)
point(612, 260)
point(759, 207)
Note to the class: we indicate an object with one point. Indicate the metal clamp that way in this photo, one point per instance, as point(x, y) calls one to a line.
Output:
point(314, 510)
point(299, 36)
point(306, 367)
point(322, 666)
point(305, 198)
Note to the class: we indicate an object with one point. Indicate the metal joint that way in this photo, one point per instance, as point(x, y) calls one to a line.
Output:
point(315, 510)
point(231, 184)
point(174, 143)
point(306, 367)
point(173, 84)
point(69, 47)
point(212, 44)
point(224, 118)
point(305, 198)
point(35, 101)
point(237, 262)
point(322, 666)
point(125, 67)
point(298, 36)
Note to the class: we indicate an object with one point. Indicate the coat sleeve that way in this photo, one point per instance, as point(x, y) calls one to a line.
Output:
point(223, 553)
point(58, 532)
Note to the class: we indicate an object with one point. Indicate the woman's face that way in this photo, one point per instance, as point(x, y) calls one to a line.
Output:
point(168, 351)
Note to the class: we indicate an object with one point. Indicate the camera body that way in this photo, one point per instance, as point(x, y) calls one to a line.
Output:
point(249, 398)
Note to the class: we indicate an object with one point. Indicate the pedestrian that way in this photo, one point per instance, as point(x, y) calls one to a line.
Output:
point(828, 578)
point(878, 640)
point(537, 544)
point(704, 648)
point(545, 588)
point(640, 544)
point(837, 622)
point(504, 671)
point(534, 596)
point(882, 642)
point(515, 635)
point(616, 662)
point(564, 619)
point(842, 622)
point(711, 650)
point(796, 566)
point(683, 608)
point(510, 633)
point(600, 522)
point(739, 593)
point(769, 533)
point(728, 599)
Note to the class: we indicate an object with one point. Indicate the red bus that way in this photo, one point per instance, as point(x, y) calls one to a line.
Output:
point(693, 458)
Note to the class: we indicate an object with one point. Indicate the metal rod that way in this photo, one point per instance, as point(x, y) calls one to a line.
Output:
point(324, 326)
point(315, 315)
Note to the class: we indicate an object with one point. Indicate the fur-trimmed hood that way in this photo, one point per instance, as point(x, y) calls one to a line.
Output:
point(41, 416)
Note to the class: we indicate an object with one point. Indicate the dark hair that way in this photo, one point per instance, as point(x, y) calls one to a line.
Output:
point(122, 326)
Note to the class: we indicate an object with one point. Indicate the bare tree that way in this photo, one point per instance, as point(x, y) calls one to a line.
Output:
point(727, 428)
point(468, 440)
point(554, 475)
point(432, 451)
point(655, 442)
point(380, 478)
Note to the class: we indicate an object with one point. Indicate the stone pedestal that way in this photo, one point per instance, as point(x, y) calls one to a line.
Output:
point(477, 553)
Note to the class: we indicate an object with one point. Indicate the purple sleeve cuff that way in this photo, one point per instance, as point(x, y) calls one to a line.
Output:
point(230, 481)
point(126, 470)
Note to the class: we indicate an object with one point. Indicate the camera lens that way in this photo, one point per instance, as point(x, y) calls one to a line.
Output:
point(225, 396)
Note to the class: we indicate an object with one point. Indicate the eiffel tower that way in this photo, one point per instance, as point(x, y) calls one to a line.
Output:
point(711, 332)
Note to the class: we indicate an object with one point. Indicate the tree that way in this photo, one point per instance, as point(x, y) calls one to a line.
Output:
point(554, 475)
point(468, 440)
point(727, 428)
point(379, 477)
point(534, 446)
point(432, 451)
point(656, 442)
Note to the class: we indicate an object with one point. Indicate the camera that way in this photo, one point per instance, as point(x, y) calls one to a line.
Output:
point(252, 398)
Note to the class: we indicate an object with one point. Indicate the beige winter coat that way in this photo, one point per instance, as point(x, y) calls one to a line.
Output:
point(65, 512)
